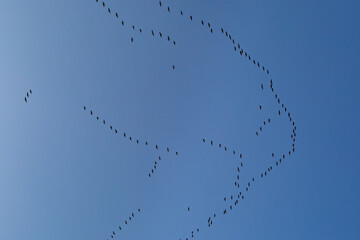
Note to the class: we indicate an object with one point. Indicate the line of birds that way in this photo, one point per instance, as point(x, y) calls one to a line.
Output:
point(27, 96)
point(225, 148)
point(153, 33)
point(154, 167)
point(228, 35)
point(131, 217)
point(124, 134)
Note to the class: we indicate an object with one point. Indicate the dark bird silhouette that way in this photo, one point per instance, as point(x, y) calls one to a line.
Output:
point(104, 121)
point(84, 108)
point(97, 118)
point(91, 112)
point(115, 131)
point(168, 38)
point(181, 12)
point(138, 209)
point(211, 30)
point(160, 3)
point(222, 30)
point(156, 146)
point(132, 39)
point(133, 27)
point(167, 149)
point(211, 142)
point(188, 209)
point(203, 140)
point(130, 138)
point(122, 23)
point(137, 141)
point(140, 30)
point(202, 22)
point(160, 34)
point(190, 17)
point(208, 24)
point(103, 4)
point(109, 10)
point(260, 107)
point(176, 153)
point(146, 143)
point(174, 42)
point(120, 228)
point(113, 233)
point(152, 32)
point(30, 91)
point(173, 67)
point(27, 94)
point(25, 100)
point(168, 9)
point(117, 15)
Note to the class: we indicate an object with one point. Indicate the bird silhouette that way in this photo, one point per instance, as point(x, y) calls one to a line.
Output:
point(30, 91)
point(25, 100)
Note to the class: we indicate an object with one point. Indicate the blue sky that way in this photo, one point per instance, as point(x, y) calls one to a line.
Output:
point(64, 175)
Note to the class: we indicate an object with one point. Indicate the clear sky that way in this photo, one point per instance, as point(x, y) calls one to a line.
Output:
point(65, 175)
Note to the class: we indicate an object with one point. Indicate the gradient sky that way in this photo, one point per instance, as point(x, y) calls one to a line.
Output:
point(64, 175)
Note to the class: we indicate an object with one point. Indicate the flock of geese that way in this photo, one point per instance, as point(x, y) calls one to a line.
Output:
point(27, 96)
point(131, 139)
point(126, 222)
point(152, 31)
point(232, 200)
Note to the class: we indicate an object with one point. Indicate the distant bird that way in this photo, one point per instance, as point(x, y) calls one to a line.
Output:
point(25, 99)
point(202, 22)
point(103, 4)
point(240, 155)
point(211, 30)
point(132, 39)
point(146, 143)
point(176, 153)
point(125, 222)
point(91, 112)
point(124, 134)
point(140, 30)
point(137, 141)
point(167, 149)
point(203, 140)
point(138, 209)
point(122, 23)
point(222, 30)
point(115, 131)
point(133, 27)
point(152, 32)
point(160, 3)
point(27, 94)
point(174, 42)
point(117, 15)
point(208, 24)
point(188, 209)
point(211, 142)
point(30, 91)
point(262, 86)
point(181, 12)
point(113, 233)
point(260, 107)
point(272, 154)
point(168, 9)
point(160, 34)
point(104, 121)
point(173, 67)
point(219, 145)
point(119, 227)
point(234, 152)
point(84, 108)
point(130, 138)
point(190, 17)
point(156, 146)
point(109, 10)
point(97, 118)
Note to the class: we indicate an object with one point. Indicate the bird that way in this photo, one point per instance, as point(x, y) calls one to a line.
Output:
point(122, 23)
point(176, 153)
point(188, 209)
point(173, 67)
point(109, 10)
point(103, 4)
point(146, 143)
point(181, 12)
point(138, 209)
point(84, 108)
point(208, 24)
point(25, 99)
point(160, 3)
point(260, 107)
point(30, 91)
point(27, 94)
point(115, 131)
point(111, 127)
point(119, 227)
point(152, 32)
point(91, 112)
point(160, 34)
point(104, 121)
point(174, 42)
point(202, 22)
point(130, 138)
point(240, 155)
point(140, 30)
point(211, 142)
point(168, 38)
point(167, 149)
point(97, 118)
point(168, 9)
point(133, 27)
point(190, 17)
point(156, 146)
point(203, 140)
point(132, 39)
point(117, 15)
point(113, 233)
point(222, 30)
